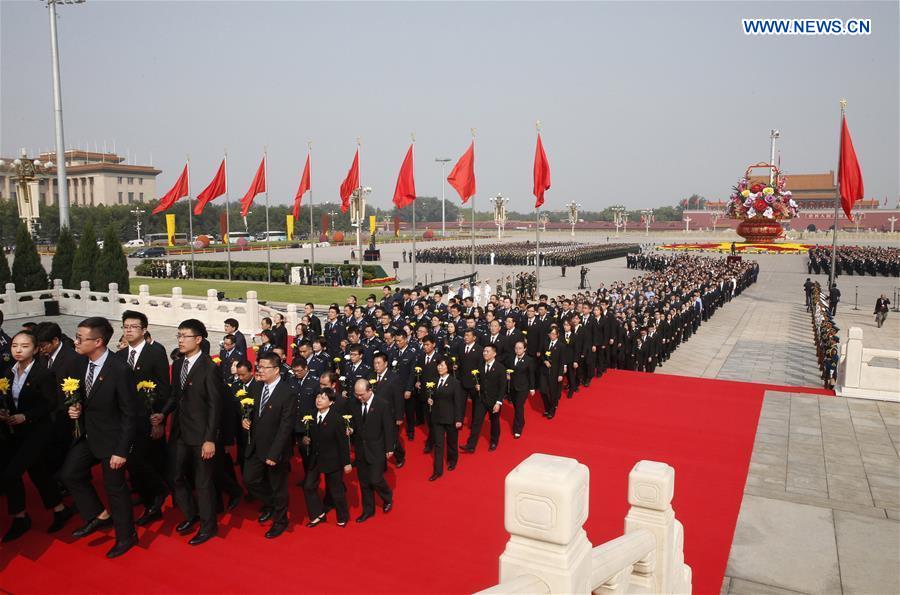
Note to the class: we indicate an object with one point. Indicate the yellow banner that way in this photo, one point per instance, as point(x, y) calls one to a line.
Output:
point(290, 227)
point(170, 227)
point(371, 223)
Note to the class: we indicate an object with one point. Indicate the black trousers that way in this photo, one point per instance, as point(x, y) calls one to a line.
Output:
point(224, 478)
point(479, 410)
point(409, 408)
point(189, 472)
point(371, 480)
point(519, 399)
point(148, 480)
point(334, 485)
point(26, 451)
point(399, 449)
point(590, 367)
point(550, 392)
point(573, 379)
point(269, 485)
point(439, 434)
point(76, 475)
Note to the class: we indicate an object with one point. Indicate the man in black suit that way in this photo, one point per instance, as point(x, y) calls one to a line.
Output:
point(373, 442)
point(427, 363)
point(387, 388)
point(355, 369)
point(334, 331)
point(229, 354)
point(315, 325)
point(522, 383)
point(109, 410)
point(329, 452)
point(196, 407)
point(468, 358)
point(447, 405)
point(231, 328)
point(490, 386)
point(404, 365)
point(268, 461)
point(553, 369)
point(146, 465)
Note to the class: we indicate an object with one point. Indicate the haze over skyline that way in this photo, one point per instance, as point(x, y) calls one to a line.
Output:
point(642, 103)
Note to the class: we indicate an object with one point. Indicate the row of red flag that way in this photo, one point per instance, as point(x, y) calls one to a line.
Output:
point(461, 178)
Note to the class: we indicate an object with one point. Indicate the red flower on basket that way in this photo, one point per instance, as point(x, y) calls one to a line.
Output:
point(760, 205)
point(756, 188)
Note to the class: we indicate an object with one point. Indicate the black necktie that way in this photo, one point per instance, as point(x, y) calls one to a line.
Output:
point(321, 417)
point(264, 399)
point(131, 357)
point(365, 410)
point(90, 379)
point(184, 372)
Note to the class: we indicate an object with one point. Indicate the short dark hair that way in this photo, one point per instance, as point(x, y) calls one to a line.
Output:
point(195, 326)
point(267, 320)
point(135, 315)
point(29, 334)
point(381, 355)
point(299, 362)
point(45, 332)
point(429, 339)
point(328, 393)
point(228, 337)
point(245, 364)
point(271, 357)
point(232, 322)
point(356, 348)
point(98, 324)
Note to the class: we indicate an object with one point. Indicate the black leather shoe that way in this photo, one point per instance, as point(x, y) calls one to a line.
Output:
point(202, 537)
point(264, 516)
point(467, 449)
point(150, 514)
point(317, 521)
point(517, 436)
point(19, 527)
point(492, 447)
point(551, 415)
point(275, 530)
point(122, 546)
point(427, 450)
point(364, 517)
point(185, 527)
point(60, 518)
point(233, 502)
point(399, 464)
point(387, 507)
point(451, 466)
point(92, 526)
point(410, 436)
point(434, 476)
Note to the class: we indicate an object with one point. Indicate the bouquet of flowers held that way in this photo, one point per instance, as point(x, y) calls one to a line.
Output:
point(246, 406)
point(4, 398)
point(475, 377)
point(547, 355)
point(71, 388)
point(347, 419)
point(216, 360)
point(429, 386)
point(306, 420)
point(147, 388)
point(758, 197)
point(509, 373)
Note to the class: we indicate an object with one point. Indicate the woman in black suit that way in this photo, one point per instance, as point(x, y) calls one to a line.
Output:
point(447, 404)
point(329, 454)
point(281, 334)
point(28, 404)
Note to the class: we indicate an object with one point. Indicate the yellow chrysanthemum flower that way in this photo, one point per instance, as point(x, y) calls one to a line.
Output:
point(4, 385)
point(69, 385)
point(429, 385)
point(248, 402)
point(241, 393)
point(146, 385)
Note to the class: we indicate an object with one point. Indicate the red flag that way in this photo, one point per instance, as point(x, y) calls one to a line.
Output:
point(303, 189)
point(215, 189)
point(179, 190)
point(541, 173)
point(850, 179)
point(405, 192)
point(350, 183)
point(258, 185)
point(462, 178)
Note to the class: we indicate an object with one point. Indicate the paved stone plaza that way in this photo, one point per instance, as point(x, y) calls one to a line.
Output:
point(821, 508)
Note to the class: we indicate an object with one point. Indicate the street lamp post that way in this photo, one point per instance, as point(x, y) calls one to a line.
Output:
point(687, 225)
point(892, 220)
point(61, 183)
point(137, 220)
point(647, 217)
point(25, 173)
point(500, 213)
point(573, 215)
point(357, 216)
point(617, 211)
point(773, 135)
point(443, 161)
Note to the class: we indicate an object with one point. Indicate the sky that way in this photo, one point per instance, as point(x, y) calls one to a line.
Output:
point(641, 103)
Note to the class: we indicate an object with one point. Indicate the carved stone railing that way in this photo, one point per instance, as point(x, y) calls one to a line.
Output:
point(546, 506)
point(866, 373)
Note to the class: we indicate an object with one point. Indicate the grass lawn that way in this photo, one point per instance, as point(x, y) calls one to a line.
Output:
point(276, 292)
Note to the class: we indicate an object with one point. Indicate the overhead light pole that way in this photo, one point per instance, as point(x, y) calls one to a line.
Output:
point(573, 215)
point(61, 184)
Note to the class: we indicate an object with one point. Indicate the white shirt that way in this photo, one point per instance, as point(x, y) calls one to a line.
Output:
point(190, 361)
point(98, 365)
point(137, 350)
point(321, 415)
point(19, 381)
point(55, 353)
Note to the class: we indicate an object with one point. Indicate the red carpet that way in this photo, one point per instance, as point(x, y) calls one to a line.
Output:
point(444, 536)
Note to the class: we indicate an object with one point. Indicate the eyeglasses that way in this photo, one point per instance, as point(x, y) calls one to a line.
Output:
point(80, 339)
point(181, 336)
point(131, 327)
point(258, 367)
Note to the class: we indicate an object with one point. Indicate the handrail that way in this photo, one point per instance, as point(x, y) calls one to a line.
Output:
point(610, 558)
point(526, 583)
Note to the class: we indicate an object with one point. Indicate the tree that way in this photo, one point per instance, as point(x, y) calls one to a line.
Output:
point(5, 275)
point(61, 268)
point(112, 266)
point(86, 257)
point(27, 271)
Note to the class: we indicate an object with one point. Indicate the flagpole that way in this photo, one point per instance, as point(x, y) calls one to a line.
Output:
point(268, 234)
point(360, 214)
point(227, 218)
point(190, 217)
point(837, 200)
point(537, 234)
point(312, 231)
point(472, 278)
point(413, 136)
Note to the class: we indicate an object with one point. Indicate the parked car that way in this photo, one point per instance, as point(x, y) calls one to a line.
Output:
point(134, 244)
point(150, 252)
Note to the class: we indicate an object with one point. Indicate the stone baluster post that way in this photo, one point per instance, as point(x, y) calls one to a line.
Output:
point(850, 368)
point(212, 305)
point(546, 504)
point(252, 314)
point(11, 305)
point(114, 310)
point(177, 305)
point(292, 318)
point(85, 295)
point(651, 486)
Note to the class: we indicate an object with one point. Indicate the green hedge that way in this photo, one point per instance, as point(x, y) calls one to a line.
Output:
point(256, 271)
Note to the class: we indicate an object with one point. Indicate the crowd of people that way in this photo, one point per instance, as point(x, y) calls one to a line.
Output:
point(855, 260)
point(825, 332)
point(557, 254)
point(352, 391)
point(170, 269)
